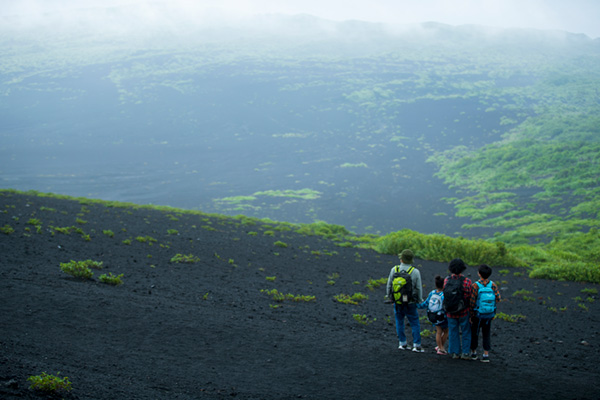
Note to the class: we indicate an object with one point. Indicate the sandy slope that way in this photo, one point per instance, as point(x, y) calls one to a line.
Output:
point(205, 330)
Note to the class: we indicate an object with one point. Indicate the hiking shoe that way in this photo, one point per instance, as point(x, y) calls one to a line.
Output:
point(455, 356)
point(465, 357)
point(418, 349)
point(485, 358)
point(474, 356)
point(403, 347)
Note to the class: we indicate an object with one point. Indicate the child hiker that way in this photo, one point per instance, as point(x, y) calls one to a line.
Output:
point(484, 298)
point(436, 315)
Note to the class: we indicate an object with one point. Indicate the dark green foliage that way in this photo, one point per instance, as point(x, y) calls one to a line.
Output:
point(50, 383)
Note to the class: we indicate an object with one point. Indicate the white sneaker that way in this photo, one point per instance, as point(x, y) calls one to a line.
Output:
point(403, 347)
point(418, 349)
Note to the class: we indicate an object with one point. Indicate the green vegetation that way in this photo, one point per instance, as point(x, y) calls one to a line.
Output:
point(146, 239)
point(184, 259)
point(373, 284)
point(331, 278)
point(541, 261)
point(50, 384)
point(354, 299)
point(6, 229)
point(443, 248)
point(80, 269)
point(524, 294)
point(363, 319)
point(510, 317)
point(108, 233)
point(111, 279)
point(280, 244)
point(280, 297)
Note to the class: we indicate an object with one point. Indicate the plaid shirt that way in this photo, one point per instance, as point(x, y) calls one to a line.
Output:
point(467, 283)
point(475, 293)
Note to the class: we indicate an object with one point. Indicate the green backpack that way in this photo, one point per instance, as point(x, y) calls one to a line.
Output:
point(402, 290)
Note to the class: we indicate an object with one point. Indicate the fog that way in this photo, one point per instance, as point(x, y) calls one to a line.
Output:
point(576, 16)
point(272, 109)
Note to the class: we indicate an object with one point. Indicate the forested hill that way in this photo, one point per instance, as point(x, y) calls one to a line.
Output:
point(465, 130)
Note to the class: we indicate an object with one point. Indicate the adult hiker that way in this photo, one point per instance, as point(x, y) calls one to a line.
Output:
point(405, 290)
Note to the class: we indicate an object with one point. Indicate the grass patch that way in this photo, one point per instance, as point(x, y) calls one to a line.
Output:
point(280, 297)
point(354, 299)
point(50, 384)
point(111, 279)
point(184, 259)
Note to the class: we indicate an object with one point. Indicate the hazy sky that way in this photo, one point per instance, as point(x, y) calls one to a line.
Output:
point(577, 16)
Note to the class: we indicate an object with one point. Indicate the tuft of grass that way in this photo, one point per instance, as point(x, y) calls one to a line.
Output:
point(362, 319)
point(511, 317)
point(80, 269)
point(589, 291)
point(111, 279)
point(280, 297)
point(271, 278)
point(7, 229)
point(373, 284)
point(354, 299)
point(524, 294)
point(184, 259)
point(146, 239)
point(108, 233)
point(279, 243)
point(50, 383)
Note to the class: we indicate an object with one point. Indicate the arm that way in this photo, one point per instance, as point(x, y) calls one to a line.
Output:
point(497, 293)
point(474, 294)
point(417, 278)
point(388, 287)
point(424, 303)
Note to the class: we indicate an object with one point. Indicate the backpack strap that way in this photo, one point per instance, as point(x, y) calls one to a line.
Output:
point(410, 270)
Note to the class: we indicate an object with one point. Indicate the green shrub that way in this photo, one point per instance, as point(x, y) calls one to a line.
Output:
point(362, 319)
point(443, 248)
point(567, 271)
point(172, 231)
point(280, 244)
point(184, 259)
point(50, 383)
point(7, 229)
point(354, 299)
point(372, 284)
point(111, 279)
point(34, 222)
point(277, 296)
point(80, 269)
point(108, 233)
point(510, 317)
point(589, 291)
point(146, 239)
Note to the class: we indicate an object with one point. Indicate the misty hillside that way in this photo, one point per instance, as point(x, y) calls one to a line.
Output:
point(464, 130)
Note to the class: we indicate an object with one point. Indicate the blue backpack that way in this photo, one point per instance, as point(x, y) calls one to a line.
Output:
point(486, 301)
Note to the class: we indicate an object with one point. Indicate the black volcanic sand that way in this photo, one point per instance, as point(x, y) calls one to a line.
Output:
point(205, 330)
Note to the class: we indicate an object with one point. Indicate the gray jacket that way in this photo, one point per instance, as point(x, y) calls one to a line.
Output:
point(415, 276)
